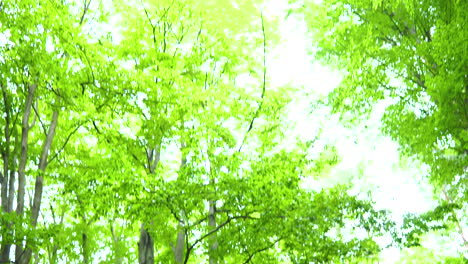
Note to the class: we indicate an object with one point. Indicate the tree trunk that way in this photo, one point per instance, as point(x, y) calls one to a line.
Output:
point(24, 150)
point(11, 187)
point(146, 243)
point(213, 240)
point(118, 258)
point(5, 248)
point(22, 161)
point(26, 254)
point(180, 244)
point(5, 153)
point(84, 248)
point(145, 247)
point(42, 167)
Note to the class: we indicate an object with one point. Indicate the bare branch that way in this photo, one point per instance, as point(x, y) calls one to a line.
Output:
point(263, 88)
point(65, 143)
point(230, 218)
point(39, 118)
point(85, 10)
point(261, 250)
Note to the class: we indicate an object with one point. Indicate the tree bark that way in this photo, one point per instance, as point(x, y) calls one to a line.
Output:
point(146, 243)
point(24, 149)
point(23, 159)
point(5, 153)
point(38, 188)
point(213, 240)
point(180, 244)
point(5, 180)
point(145, 247)
point(118, 258)
point(42, 167)
point(84, 247)
point(12, 169)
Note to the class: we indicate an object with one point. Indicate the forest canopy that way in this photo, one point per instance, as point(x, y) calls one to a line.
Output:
point(151, 132)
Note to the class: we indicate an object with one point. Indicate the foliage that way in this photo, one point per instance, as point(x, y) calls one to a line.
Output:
point(411, 55)
point(136, 145)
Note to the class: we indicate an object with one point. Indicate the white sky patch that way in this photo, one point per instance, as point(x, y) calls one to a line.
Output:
point(369, 160)
point(290, 63)
point(5, 38)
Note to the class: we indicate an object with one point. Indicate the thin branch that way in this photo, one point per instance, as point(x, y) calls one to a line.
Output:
point(457, 222)
point(95, 127)
point(261, 250)
point(263, 88)
point(153, 27)
point(192, 246)
point(199, 32)
point(163, 16)
point(83, 50)
point(197, 222)
point(44, 129)
point(65, 143)
point(85, 10)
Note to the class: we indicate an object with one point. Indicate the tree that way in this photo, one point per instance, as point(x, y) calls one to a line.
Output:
point(412, 54)
point(46, 80)
point(139, 142)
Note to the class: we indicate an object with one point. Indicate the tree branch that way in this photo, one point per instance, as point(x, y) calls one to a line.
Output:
point(263, 88)
point(39, 118)
point(261, 250)
point(230, 218)
point(65, 143)
point(85, 10)
point(455, 218)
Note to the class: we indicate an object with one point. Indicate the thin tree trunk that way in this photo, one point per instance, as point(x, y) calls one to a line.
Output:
point(5, 153)
point(145, 247)
point(213, 240)
point(24, 150)
point(42, 167)
point(23, 159)
point(5, 249)
point(5, 181)
point(180, 244)
point(53, 252)
point(146, 243)
point(12, 169)
point(84, 248)
point(118, 259)
point(38, 188)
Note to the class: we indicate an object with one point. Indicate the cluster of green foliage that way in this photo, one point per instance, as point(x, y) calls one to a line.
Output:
point(413, 54)
point(137, 145)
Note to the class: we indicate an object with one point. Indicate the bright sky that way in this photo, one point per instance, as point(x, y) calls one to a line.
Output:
point(369, 160)
point(362, 148)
